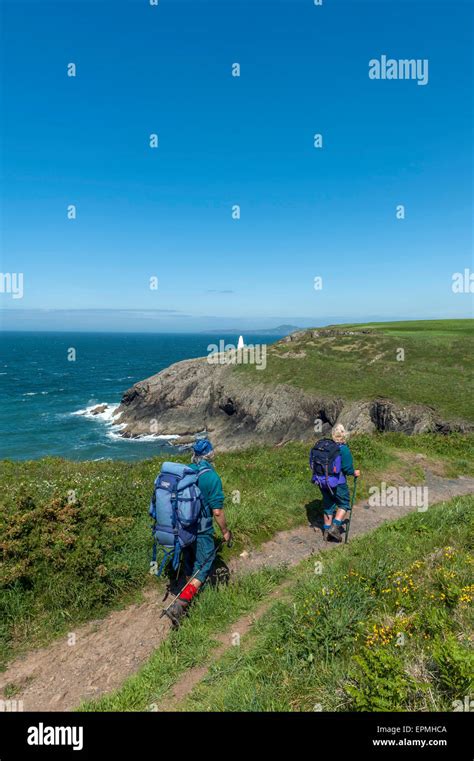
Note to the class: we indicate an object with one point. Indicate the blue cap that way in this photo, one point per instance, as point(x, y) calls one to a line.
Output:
point(202, 447)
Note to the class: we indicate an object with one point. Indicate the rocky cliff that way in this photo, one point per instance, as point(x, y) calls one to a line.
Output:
point(193, 396)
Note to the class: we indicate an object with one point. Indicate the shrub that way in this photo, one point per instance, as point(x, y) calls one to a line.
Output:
point(454, 666)
point(378, 681)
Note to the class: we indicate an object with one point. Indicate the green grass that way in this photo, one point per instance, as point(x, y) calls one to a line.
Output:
point(438, 368)
point(385, 627)
point(63, 562)
point(401, 327)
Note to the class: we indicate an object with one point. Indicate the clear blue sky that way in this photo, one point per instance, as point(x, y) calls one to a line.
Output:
point(222, 141)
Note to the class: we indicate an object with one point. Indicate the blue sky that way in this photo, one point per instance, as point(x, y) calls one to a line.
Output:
point(224, 140)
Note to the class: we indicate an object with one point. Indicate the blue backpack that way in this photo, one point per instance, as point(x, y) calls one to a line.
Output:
point(175, 507)
point(325, 462)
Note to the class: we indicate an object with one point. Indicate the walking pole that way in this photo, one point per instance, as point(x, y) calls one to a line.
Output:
point(346, 536)
point(213, 552)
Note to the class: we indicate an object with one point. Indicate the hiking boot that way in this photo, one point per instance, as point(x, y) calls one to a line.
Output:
point(335, 533)
point(325, 534)
point(176, 611)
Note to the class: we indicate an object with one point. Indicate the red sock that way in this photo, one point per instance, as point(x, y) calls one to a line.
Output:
point(188, 592)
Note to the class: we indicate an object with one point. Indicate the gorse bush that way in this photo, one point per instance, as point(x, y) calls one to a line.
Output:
point(322, 625)
point(71, 544)
point(62, 535)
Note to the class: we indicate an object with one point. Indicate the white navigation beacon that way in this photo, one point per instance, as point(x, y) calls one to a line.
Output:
point(240, 344)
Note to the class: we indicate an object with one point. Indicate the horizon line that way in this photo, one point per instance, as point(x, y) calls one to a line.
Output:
point(236, 330)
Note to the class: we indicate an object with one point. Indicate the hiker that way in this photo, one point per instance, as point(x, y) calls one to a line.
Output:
point(200, 555)
point(331, 461)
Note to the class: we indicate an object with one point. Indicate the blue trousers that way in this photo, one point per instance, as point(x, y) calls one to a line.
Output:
point(199, 557)
point(339, 497)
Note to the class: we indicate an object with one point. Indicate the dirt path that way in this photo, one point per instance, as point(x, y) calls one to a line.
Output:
point(58, 677)
point(301, 544)
point(190, 678)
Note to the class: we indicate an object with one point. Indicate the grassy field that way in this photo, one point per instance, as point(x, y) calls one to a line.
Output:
point(75, 538)
point(383, 625)
point(437, 369)
point(386, 626)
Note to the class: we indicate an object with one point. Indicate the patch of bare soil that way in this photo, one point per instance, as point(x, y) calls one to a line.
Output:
point(60, 676)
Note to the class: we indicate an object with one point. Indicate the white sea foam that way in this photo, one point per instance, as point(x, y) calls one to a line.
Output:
point(110, 418)
point(107, 416)
point(163, 437)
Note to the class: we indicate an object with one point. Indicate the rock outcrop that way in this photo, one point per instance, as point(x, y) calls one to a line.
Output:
point(194, 396)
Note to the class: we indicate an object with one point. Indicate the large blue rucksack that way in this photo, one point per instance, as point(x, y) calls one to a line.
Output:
point(175, 507)
point(325, 462)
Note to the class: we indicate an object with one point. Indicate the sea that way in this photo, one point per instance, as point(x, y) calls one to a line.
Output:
point(49, 382)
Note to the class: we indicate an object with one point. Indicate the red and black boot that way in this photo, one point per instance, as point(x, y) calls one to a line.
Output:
point(178, 608)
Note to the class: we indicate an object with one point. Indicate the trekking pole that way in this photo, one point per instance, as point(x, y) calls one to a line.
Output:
point(346, 536)
point(208, 557)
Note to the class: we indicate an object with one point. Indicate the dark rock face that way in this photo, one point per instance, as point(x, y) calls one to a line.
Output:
point(413, 419)
point(229, 407)
point(194, 396)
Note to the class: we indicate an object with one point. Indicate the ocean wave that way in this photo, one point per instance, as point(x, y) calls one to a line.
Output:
point(162, 437)
point(35, 393)
point(107, 416)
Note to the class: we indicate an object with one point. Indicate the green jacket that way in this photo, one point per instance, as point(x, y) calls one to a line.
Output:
point(347, 463)
point(212, 493)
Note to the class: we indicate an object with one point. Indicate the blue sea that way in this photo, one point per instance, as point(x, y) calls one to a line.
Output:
point(46, 397)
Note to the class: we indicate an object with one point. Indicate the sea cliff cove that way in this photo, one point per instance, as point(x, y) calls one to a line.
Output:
point(236, 371)
point(284, 402)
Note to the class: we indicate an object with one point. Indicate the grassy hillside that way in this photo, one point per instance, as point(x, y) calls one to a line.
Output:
point(383, 627)
point(437, 370)
point(75, 538)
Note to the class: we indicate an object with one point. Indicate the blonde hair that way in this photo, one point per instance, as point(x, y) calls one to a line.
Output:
point(197, 458)
point(339, 434)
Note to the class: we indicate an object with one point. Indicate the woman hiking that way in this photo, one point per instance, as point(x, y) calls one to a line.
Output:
point(331, 461)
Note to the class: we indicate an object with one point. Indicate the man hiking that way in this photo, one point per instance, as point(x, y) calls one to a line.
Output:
point(331, 461)
point(200, 555)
